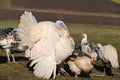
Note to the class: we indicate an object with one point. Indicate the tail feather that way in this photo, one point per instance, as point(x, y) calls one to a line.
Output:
point(111, 55)
point(34, 62)
point(44, 67)
point(27, 19)
point(114, 63)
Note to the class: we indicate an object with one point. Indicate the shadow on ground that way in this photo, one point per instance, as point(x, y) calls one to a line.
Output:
point(3, 59)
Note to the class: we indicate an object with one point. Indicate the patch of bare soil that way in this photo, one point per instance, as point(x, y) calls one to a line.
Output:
point(78, 5)
point(6, 14)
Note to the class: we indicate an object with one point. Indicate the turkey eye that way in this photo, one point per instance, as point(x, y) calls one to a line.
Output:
point(61, 24)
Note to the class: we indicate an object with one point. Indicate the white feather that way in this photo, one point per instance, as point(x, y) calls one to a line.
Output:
point(110, 53)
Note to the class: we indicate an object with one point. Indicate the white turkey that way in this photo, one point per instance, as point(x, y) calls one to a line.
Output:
point(109, 57)
point(49, 44)
point(80, 64)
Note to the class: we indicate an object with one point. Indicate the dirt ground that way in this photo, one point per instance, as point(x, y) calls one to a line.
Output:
point(6, 14)
point(99, 6)
point(79, 5)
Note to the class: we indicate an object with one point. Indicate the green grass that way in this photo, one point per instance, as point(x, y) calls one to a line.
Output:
point(116, 1)
point(96, 33)
point(9, 23)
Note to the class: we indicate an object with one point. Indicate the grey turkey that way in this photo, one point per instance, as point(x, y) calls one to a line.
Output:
point(87, 47)
point(9, 41)
point(109, 57)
